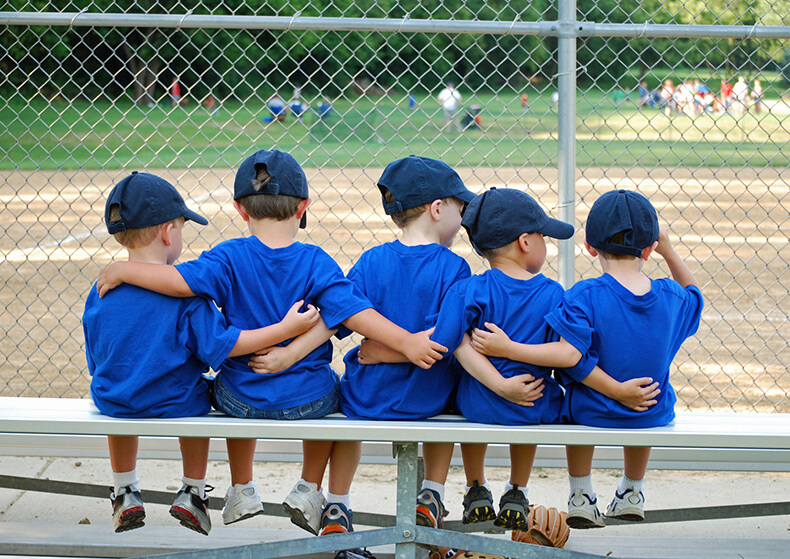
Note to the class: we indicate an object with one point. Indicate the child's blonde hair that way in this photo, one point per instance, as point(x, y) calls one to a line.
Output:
point(137, 238)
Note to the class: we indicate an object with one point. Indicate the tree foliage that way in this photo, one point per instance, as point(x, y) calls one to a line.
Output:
point(238, 64)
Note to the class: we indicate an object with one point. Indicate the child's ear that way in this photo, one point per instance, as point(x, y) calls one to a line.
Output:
point(164, 233)
point(523, 242)
point(593, 252)
point(302, 207)
point(435, 209)
point(646, 252)
point(242, 212)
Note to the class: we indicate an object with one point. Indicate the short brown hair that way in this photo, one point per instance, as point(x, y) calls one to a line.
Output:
point(402, 219)
point(274, 206)
point(136, 238)
point(489, 253)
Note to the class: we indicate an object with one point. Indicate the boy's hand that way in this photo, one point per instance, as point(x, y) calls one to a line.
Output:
point(369, 352)
point(638, 394)
point(109, 278)
point(494, 343)
point(271, 360)
point(664, 244)
point(421, 350)
point(522, 390)
point(295, 323)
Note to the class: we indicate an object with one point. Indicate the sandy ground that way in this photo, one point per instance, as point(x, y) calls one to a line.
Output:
point(731, 223)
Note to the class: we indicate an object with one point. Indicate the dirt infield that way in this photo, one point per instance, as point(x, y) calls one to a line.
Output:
point(732, 224)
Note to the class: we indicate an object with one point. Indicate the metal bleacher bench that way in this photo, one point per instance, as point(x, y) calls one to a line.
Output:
point(765, 437)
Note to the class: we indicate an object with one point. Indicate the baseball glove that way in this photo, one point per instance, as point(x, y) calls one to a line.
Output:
point(545, 526)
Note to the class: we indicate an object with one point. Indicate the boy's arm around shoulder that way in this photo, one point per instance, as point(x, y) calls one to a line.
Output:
point(419, 348)
point(496, 343)
point(293, 324)
point(637, 394)
point(278, 358)
point(522, 390)
point(160, 278)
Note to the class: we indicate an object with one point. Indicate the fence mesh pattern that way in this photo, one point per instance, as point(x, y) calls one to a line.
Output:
point(698, 123)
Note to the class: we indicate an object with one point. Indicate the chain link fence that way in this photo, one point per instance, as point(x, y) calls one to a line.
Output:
point(682, 100)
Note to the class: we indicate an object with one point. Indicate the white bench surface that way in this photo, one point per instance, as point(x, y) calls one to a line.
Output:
point(63, 416)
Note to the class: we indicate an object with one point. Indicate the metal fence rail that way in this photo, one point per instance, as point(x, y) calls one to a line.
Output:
point(563, 100)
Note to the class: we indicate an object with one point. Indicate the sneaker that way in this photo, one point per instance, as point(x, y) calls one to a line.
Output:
point(128, 512)
point(305, 507)
point(356, 553)
point(336, 519)
point(629, 506)
point(241, 505)
point(513, 510)
point(430, 510)
point(478, 505)
point(583, 511)
point(191, 510)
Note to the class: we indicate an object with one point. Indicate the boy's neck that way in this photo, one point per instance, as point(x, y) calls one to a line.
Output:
point(274, 233)
point(420, 232)
point(511, 267)
point(153, 253)
point(628, 273)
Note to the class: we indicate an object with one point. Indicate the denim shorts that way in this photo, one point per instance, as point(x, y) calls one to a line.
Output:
point(228, 403)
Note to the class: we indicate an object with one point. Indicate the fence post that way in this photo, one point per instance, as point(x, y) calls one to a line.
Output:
point(566, 157)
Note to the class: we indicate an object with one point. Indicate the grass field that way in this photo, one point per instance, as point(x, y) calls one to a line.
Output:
point(365, 131)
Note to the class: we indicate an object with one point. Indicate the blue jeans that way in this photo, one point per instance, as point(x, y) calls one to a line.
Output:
point(228, 403)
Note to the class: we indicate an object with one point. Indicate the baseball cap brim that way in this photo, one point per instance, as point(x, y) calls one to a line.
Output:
point(464, 195)
point(196, 217)
point(557, 229)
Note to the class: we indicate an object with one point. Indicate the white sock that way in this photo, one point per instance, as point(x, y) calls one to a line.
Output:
point(524, 490)
point(435, 486)
point(344, 500)
point(198, 484)
point(627, 483)
point(123, 479)
point(484, 484)
point(584, 483)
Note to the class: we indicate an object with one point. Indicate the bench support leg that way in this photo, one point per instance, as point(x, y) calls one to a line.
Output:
point(405, 518)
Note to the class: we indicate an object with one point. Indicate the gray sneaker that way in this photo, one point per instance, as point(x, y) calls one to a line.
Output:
point(242, 504)
point(583, 511)
point(305, 506)
point(128, 512)
point(192, 511)
point(628, 506)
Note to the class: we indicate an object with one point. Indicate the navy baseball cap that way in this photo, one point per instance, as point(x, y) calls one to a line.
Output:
point(415, 181)
point(145, 200)
point(499, 216)
point(287, 177)
point(622, 211)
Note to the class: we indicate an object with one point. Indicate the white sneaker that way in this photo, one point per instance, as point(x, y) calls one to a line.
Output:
point(583, 511)
point(242, 504)
point(305, 506)
point(629, 506)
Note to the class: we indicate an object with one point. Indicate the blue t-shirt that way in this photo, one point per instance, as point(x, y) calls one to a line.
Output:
point(629, 336)
point(255, 286)
point(518, 307)
point(406, 284)
point(147, 352)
